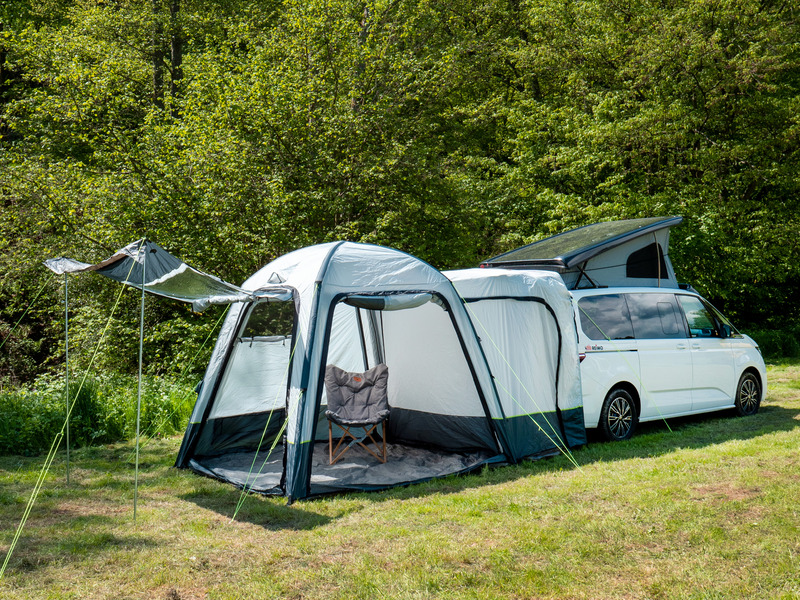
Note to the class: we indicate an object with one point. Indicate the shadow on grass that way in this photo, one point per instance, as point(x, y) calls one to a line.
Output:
point(40, 548)
point(651, 440)
point(270, 513)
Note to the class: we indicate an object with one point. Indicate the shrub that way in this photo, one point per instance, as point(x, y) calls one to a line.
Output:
point(104, 410)
point(778, 343)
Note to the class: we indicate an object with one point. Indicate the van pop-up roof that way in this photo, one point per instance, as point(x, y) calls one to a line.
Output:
point(633, 252)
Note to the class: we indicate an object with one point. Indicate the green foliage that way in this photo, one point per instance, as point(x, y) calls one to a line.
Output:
point(103, 411)
point(233, 132)
point(778, 343)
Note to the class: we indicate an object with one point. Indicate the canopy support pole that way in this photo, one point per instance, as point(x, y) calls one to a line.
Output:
point(139, 388)
point(66, 361)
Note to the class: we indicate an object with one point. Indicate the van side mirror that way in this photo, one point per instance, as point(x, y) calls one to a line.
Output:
point(727, 331)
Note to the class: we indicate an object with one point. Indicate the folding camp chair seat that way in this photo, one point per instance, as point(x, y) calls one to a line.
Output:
point(357, 401)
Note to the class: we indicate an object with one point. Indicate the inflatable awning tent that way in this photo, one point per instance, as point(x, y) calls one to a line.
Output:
point(259, 421)
point(458, 399)
point(631, 252)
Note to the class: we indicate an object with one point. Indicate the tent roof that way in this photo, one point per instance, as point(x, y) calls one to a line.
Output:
point(348, 266)
point(165, 275)
point(576, 246)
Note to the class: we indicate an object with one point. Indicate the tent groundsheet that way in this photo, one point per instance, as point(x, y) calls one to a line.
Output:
point(358, 471)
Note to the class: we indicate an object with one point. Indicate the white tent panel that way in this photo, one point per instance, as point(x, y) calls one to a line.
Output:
point(427, 368)
point(256, 377)
point(482, 284)
point(520, 341)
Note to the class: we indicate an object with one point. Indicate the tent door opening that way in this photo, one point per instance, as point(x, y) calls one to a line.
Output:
point(438, 423)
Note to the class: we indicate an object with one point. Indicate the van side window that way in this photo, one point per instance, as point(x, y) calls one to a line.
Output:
point(655, 316)
point(605, 317)
point(701, 322)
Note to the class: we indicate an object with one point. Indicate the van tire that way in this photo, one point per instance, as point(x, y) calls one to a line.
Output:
point(618, 418)
point(748, 395)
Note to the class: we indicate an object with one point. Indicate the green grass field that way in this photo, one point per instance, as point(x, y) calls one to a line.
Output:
point(708, 507)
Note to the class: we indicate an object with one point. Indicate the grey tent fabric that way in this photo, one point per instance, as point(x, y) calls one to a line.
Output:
point(165, 275)
point(357, 399)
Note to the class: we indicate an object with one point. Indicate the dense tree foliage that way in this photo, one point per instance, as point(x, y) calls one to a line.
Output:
point(234, 131)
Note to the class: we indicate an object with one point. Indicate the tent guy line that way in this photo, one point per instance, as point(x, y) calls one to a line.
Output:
point(56, 442)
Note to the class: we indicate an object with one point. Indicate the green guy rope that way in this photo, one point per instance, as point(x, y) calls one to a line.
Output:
point(48, 461)
point(565, 449)
point(243, 494)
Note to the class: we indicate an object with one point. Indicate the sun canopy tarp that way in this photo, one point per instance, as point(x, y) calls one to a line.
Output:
point(164, 275)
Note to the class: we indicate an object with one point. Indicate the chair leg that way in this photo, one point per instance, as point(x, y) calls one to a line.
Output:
point(334, 455)
point(385, 423)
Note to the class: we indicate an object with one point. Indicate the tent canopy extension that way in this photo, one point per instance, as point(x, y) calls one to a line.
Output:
point(632, 252)
point(260, 410)
point(163, 274)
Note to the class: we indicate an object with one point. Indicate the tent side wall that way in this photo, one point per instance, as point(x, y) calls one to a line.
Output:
point(432, 390)
point(525, 322)
point(216, 366)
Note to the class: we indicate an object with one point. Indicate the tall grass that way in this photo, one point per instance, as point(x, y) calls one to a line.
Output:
point(104, 411)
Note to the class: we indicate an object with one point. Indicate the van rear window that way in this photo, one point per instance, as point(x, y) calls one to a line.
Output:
point(605, 317)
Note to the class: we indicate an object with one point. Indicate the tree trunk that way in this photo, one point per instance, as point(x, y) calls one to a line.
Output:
point(176, 52)
point(158, 58)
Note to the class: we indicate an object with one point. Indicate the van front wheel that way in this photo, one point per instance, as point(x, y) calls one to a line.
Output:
point(618, 418)
point(748, 395)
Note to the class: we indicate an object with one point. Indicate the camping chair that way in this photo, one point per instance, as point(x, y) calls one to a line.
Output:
point(357, 401)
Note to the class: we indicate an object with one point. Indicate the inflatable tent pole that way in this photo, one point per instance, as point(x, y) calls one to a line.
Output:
point(139, 386)
point(66, 361)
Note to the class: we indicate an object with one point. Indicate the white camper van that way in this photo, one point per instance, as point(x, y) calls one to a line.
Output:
point(650, 348)
point(655, 353)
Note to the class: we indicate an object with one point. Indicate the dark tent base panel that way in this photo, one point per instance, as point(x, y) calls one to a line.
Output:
point(357, 471)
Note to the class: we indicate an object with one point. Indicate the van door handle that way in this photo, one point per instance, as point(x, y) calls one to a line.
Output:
point(681, 346)
point(696, 346)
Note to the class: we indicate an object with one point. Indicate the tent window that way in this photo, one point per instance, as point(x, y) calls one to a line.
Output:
point(270, 319)
point(647, 263)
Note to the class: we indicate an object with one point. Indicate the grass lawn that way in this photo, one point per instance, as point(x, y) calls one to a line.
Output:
point(708, 507)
